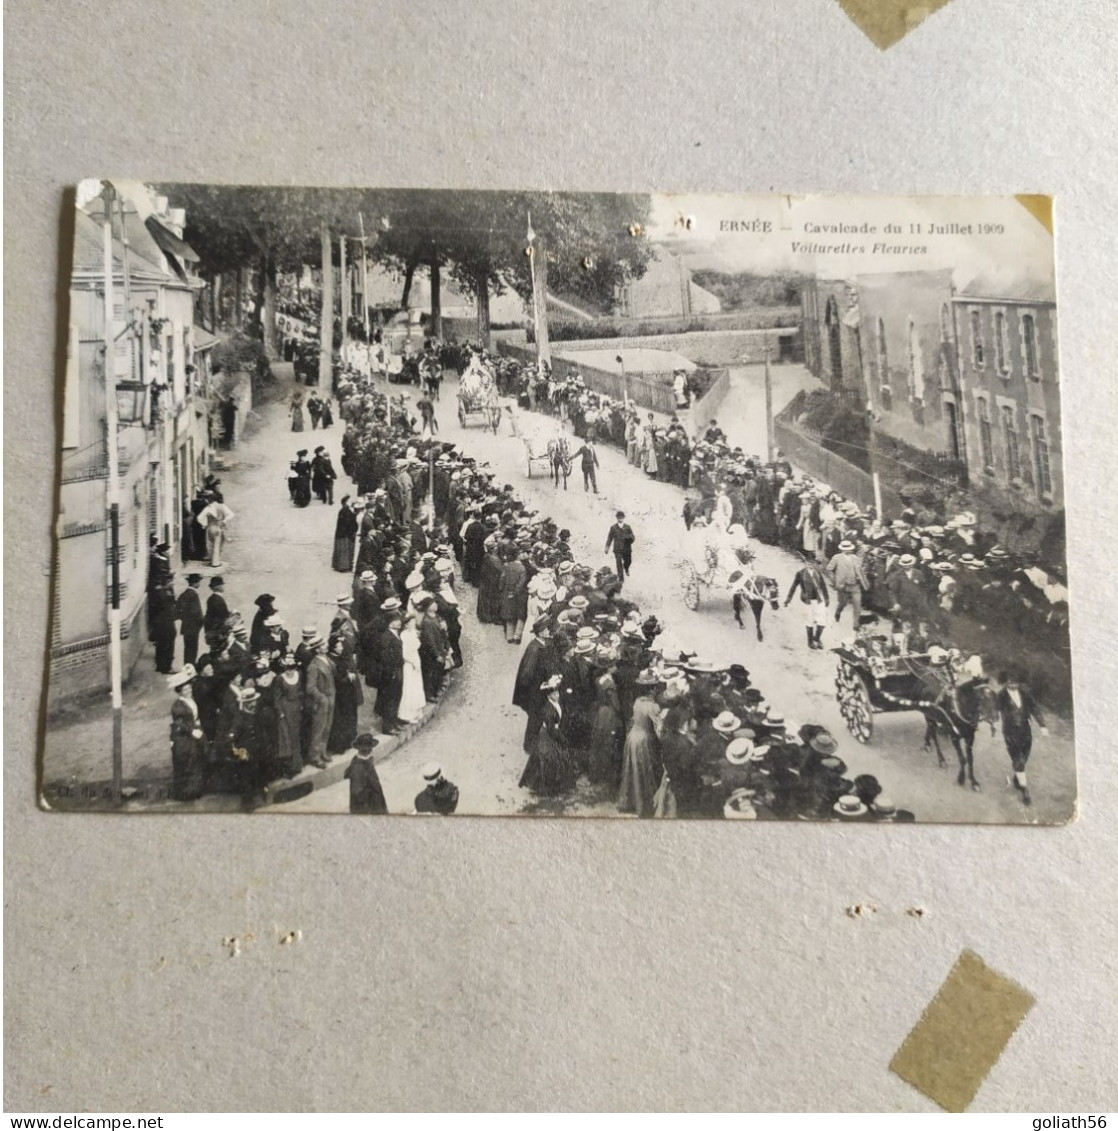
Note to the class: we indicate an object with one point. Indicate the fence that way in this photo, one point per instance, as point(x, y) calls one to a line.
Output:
point(807, 454)
point(705, 408)
point(649, 390)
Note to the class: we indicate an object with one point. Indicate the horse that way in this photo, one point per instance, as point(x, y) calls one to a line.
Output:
point(759, 591)
point(959, 712)
point(559, 452)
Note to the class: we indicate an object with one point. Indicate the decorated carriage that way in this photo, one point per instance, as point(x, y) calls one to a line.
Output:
point(477, 398)
point(870, 681)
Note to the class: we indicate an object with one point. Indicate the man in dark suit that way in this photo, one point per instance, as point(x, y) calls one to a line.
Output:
point(188, 611)
point(620, 539)
point(1017, 706)
point(390, 676)
point(432, 649)
point(535, 667)
point(217, 611)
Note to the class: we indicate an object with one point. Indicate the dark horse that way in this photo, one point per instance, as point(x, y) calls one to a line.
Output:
point(958, 712)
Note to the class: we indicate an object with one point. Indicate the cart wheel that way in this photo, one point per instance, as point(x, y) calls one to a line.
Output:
point(854, 702)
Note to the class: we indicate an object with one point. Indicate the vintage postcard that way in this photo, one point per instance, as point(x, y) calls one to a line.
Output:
point(561, 504)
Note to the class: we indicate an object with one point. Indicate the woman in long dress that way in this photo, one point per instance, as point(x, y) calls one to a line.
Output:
point(641, 768)
point(348, 696)
point(188, 760)
point(287, 697)
point(296, 412)
point(489, 587)
point(413, 699)
point(550, 770)
point(345, 537)
point(608, 733)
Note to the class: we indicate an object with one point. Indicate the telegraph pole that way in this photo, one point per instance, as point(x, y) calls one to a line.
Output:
point(112, 498)
point(770, 440)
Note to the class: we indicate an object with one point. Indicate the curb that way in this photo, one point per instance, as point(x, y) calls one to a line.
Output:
point(279, 793)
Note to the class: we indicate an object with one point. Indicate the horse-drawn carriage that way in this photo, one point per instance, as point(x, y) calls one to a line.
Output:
point(477, 398)
point(871, 679)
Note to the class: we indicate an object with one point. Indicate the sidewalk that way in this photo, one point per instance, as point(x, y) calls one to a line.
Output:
point(272, 547)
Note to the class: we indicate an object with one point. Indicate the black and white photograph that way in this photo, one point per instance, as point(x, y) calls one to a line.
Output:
point(526, 503)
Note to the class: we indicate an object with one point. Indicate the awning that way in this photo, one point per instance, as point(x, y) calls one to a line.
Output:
point(203, 339)
point(170, 243)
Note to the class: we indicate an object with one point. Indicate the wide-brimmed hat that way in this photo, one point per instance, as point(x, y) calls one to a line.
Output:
point(907, 560)
point(849, 805)
point(579, 603)
point(739, 751)
point(883, 806)
point(823, 743)
point(648, 678)
point(344, 601)
point(273, 621)
point(587, 632)
point(726, 723)
point(846, 545)
point(316, 641)
point(585, 647)
point(390, 605)
point(834, 766)
point(739, 806)
point(180, 679)
point(431, 771)
point(414, 580)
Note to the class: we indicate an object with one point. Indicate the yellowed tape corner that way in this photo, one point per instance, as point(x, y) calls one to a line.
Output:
point(1039, 206)
point(888, 21)
point(962, 1033)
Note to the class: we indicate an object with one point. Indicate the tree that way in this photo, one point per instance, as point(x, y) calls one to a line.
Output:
point(268, 229)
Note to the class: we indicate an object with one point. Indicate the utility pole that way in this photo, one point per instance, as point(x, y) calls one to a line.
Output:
point(344, 281)
point(537, 264)
point(326, 319)
point(112, 499)
point(770, 441)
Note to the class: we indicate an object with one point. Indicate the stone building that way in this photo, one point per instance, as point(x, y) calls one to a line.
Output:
point(831, 333)
point(666, 289)
point(1009, 373)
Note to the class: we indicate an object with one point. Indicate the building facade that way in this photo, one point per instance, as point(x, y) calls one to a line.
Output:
point(911, 372)
point(832, 342)
point(665, 290)
point(1009, 372)
point(160, 384)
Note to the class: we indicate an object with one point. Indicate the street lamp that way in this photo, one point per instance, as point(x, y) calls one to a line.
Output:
point(131, 399)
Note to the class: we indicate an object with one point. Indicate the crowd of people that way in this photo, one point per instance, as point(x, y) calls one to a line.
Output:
point(671, 734)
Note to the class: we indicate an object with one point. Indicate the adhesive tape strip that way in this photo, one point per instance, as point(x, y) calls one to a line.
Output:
point(888, 21)
point(962, 1033)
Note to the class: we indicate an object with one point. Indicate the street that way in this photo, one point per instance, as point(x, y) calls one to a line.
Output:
point(476, 733)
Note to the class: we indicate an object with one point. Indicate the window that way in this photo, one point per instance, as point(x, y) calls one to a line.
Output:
point(976, 339)
point(1028, 336)
point(1001, 353)
point(1012, 444)
point(985, 434)
point(915, 372)
point(945, 323)
point(884, 389)
point(955, 444)
point(1040, 457)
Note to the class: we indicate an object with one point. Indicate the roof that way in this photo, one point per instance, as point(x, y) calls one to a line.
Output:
point(203, 339)
point(1010, 289)
point(177, 251)
point(89, 254)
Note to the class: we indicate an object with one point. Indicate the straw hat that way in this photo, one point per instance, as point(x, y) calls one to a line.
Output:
point(726, 723)
point(849, 806)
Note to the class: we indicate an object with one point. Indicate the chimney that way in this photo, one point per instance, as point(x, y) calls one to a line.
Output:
point(161, 206)
point(177, 218)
